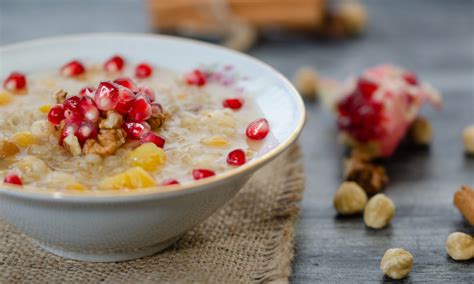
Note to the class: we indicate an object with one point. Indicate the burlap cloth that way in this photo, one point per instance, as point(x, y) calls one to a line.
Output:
point(249, 240)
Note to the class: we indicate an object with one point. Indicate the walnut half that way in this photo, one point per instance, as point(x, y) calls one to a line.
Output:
point(107, 142)
point(370, 177)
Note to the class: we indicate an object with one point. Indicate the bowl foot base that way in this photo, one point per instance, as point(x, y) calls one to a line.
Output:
point(109, 257)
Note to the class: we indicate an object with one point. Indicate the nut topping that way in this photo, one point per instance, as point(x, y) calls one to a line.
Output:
point(107, 142)
point(464, 201)
point(112, 121)
point(60, 96)
point(370, 177)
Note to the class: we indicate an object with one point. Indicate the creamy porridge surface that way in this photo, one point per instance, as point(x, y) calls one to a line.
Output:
point(203, 127)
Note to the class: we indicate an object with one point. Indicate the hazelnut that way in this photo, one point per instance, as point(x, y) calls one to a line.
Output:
point(468, 139)
point(379, 211)
point(306, 82)
point(460, 246)
point(421, 131)
point(396, 263)
point(350, 199)
point(353, 17)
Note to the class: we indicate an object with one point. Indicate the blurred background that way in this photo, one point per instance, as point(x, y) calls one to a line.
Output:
point(337, 39)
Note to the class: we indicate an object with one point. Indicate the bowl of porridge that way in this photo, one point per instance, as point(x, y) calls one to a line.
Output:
point(112, 146)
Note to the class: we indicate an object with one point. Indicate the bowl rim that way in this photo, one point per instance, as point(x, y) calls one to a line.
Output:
point(32, 192)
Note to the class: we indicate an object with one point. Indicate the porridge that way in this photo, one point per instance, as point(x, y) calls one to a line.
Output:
point(124, 127)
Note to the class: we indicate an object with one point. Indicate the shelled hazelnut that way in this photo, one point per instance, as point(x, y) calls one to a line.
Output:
point(460, 246)
point(350, 199)
point(306, 82)
point(468, 139)
point(421, 131)
point(396, 263)
point(379, 211)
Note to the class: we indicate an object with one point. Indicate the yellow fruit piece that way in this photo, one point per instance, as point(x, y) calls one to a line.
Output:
point(133, 178)
point(215, 141)
point(23, 139)
point(5, 98)
point(148, 156)
point(44, 108)
point(76, 186)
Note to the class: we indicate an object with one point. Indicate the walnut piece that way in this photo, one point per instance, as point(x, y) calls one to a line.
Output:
point(113, 120)
point(8, 149)
point(107, 142)
point(157, 120)
point(350, 199)
point(379, 211)
point(370, 177)
point(460, 246)
point(464, 201)
point(396, 263)
point(72, 145)
point(60, 96)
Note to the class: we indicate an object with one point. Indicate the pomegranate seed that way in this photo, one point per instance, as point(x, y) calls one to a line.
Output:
point(258, 129)
point(232, 103)
point(153, 138)
point(197, 78)
point(89, 110)
point(410, 78)
point(156, 109)
point(69, 128)
point(236, 157)
point(202, 173)
point(106, 96)
point(366, 87)
point(72, 104)
point(125, 100)
point(15, 82)
point(127, 83)
point(114, 64)
point(148, 92)
point(87, 130)
point(143, 70)
point(135, 130)
point(56, 114)
point(12, 178)
point(170, 182)
point(86, 92)
point(140, 110)
point(72, 69)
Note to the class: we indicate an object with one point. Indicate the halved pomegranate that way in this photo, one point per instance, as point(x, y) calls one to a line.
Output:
point(114, 64)
point(153, 138)
point(202, 173)
point(236, 157)
point(410, 78)
point(366, 87)
point(196, 78)
point(140, 110)
point(15, 82)
point(135, 130)
point(106, 96)
point(143, 70)
point(72, 69)
point(233, 103)
point(12, 178)
point(56, 114)
point(258, 129)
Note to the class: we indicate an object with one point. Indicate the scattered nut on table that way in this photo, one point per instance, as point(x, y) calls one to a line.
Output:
point(460, 246)
point(379, 211)
point(396, 263)
point(350, 199)
point(306, 82)
point(464, 201)
point(372, 178)
point(421, 131)
point(468, 139)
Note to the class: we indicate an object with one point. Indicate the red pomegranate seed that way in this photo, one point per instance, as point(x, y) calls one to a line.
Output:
point(125, 100)
point(236, 157)
point(366, 87)
point(196, 78)
point(72, 69)
point(148, 92)
point(87, 130)
point(127, 83)
point(89, 110)
point(114, 64)
point(56, 114)
point(86, 92)
point(135, 130)
point(258, 129)
point(143, 70)
point(140, 110)
point(106, 96)
point(202, 173)
point(72, 104)
point(69, 128)
point(170, 182)
point(153, 138)
point(15, 82)
point(233, 103)
point(410, 78)
point(12, 178)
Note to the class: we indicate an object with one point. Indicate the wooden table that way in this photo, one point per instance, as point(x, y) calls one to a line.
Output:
point(433, 38)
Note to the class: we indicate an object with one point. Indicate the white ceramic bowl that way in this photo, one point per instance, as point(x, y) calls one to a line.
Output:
point(122, 226)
